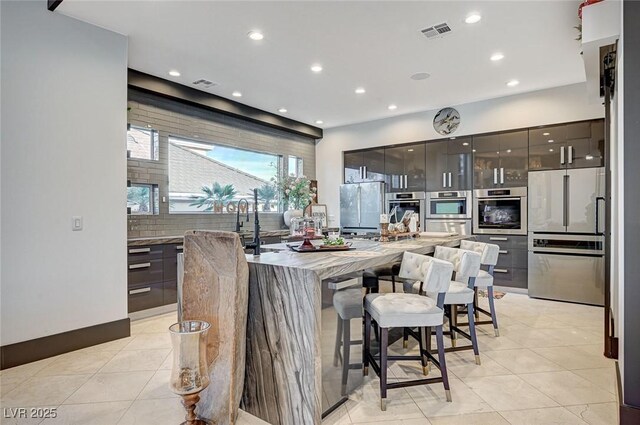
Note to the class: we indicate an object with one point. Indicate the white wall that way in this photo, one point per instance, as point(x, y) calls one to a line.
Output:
point(64, 103)
point(557, 105)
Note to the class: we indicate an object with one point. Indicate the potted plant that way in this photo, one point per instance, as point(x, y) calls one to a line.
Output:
point(296, 193)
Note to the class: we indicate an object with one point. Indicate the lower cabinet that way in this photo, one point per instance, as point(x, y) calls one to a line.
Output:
point(511, 269)
point(142, 297)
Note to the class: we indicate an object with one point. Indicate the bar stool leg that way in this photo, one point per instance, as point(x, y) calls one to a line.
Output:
point(393, 283)
point(346, 353)
point(475, 302)
point(472, 332)
point(423, 357)
point(453, 322)
point(336, 354)
point(405, 338)
point(442, 361)
point(384, 342)
point(492, 309)
point(367, 343)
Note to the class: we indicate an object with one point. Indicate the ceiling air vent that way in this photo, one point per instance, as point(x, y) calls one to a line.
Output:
point(202, 83)
point(436, 30)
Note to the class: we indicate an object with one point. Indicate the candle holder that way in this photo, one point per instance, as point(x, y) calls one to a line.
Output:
point(189, 374)
point(384, 232)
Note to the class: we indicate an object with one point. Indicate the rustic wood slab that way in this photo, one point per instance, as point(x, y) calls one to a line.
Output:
point(216, 290)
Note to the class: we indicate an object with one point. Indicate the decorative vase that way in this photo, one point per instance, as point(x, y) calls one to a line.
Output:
point(189, 374)
point(289, 214)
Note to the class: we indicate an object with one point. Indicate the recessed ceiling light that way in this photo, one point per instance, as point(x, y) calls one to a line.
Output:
point(174, 73)
point(513, 83)
point(319, 122)
point(452, 138)
point(392, 107)
point(473, 18)
point(550, 140)
point(465, 144)
point(473, 150)
point(360, 90)
point(255, 35)
point(420, 76)
point(316, 68)
point(282, 110)
point(236, 94)
point(588, 157)
point(545, 134)
point(497, 56)
point(508, 150)
point(409, 150)
point(550, 150)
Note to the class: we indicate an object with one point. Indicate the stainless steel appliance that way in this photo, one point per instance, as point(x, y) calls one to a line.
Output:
point(566, 241)
point(449, 211)
point(406, 201)
point(500, 211)
point(360, 207)
point(566, 267)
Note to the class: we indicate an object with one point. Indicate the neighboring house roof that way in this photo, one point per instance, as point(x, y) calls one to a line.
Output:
point(138, 142)
point(190, 171)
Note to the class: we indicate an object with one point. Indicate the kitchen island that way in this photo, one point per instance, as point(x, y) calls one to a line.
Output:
point(291, 375)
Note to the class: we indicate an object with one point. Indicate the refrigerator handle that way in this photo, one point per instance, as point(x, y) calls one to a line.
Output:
point(364, 172)
point(561, 155)
point(444, 179)
point(501, 175)
point(449, 179)
point(360, 171)
point(565, 201)
point(495, 176)
point(358, 204)
point(598, 199)
point(570, 155)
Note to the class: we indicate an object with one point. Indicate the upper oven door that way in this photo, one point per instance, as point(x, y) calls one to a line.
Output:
point(414, 205)
point(448, 205)
point(500, 215)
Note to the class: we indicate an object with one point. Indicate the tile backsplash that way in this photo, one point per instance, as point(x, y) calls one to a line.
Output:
point(171, 118)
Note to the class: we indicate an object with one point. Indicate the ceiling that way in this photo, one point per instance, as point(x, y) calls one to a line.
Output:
point(372, 44)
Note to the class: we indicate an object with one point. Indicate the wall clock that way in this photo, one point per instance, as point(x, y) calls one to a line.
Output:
point(446, 121)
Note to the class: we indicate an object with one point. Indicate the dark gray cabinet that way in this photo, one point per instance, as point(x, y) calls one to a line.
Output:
point(364, 166)
point(449, 164)
point(573, 145)
point(501, 159)
point(512, 266)
point(404, 168)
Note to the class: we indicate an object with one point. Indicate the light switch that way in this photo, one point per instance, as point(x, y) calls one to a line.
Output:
point(76, 223)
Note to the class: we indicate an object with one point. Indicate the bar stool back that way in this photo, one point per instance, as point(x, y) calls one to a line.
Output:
point(409, 310)
point(489, 257)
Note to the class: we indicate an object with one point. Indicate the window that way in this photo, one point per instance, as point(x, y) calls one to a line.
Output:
point(142, 199)
point(209, 178)
point(142, 143)
point(295, 166)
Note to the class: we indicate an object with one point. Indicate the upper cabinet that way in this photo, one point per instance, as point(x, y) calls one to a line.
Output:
point(449, 164)
point(574, 145)
point(404, 168)
point(364, 166)
point(500, 160)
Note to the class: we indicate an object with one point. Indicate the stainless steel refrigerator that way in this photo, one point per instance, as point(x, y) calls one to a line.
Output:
point(360, 207)
point(566, 235)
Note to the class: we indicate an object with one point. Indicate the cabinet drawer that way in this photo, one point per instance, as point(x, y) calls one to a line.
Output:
point(512, 257)
point(171, 250)
point(504, 241)
point(170, 268)
point(170, 292)
point(142, 297)
point(137, 254)
point(512, 277)
point(145, 271)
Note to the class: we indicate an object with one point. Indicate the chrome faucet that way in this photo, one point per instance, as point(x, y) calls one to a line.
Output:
point(255, 245)
point(238, 222)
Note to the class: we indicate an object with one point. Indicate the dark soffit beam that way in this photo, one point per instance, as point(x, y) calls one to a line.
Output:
point(178, 92)
point(52, 4)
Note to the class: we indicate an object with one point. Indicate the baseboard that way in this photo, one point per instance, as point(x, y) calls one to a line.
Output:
point(143, 314)
point(510, 289)
point(41, 348)
point(628, 415)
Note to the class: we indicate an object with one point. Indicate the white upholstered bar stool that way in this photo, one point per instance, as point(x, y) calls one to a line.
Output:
point(399, 310)
point(466, 265)
point(488, 257)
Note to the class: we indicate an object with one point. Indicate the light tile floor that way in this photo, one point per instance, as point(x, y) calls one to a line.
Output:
point(545, 368)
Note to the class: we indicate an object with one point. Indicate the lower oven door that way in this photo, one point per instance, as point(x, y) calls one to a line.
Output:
point(506, 215)
point(461, 227)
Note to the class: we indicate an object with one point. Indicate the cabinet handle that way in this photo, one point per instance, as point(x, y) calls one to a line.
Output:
point(406, 186)
point(139, 266)
point(495, 176)
point(503, 251)
point(139, 291)
point(180, 247)
point(449, 179)
point(501, 270)
point(561, 155)
point(139, 250)
point(502, 176)
point(570, 154)
point(360, 172)
point(496, 238)
point(444, 179)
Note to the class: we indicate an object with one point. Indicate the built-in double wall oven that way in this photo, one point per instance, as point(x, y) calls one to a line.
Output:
point(500, 211)
point(449, 211)
point(406, 201)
